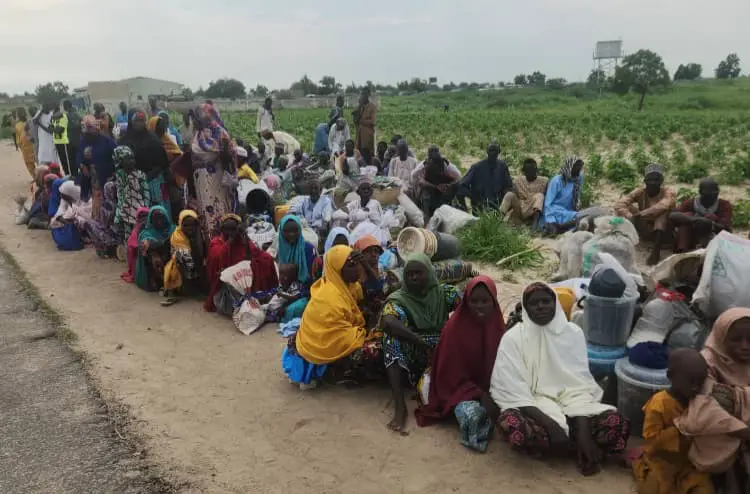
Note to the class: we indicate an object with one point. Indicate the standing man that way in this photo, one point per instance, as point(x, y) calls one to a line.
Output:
point(121, 119)
point(47, 152)
point(74, 135)
point(364, 119)
point(336, 112)
point(60, 138)
point(32, 123)
point(486, 182)
point(266, 118)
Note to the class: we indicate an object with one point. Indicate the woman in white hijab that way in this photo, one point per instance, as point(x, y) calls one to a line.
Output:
point(549, 399)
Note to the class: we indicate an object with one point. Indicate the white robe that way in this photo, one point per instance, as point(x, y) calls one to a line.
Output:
point(546, 367)
point(47, 150)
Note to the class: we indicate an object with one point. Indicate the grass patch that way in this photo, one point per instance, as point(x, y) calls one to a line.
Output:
point(490, 239)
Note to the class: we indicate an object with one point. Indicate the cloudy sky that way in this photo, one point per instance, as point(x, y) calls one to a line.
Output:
point(275, 42)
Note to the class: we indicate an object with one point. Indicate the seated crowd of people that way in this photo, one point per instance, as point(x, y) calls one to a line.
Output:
point(179, 207)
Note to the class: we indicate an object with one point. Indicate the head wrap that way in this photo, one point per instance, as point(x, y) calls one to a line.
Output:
point(90, 124)
point(56, 169)
point(70, 189)
point(567, 175)
point(177, 241)
point(120, 154)
point(654, 168)
point(428, 311)
point(293, 253)
point(335, 232)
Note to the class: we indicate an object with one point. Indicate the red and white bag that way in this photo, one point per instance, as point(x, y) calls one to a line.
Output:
point(248, 315)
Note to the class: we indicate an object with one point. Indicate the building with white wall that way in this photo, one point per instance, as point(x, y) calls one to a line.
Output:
point(134, 91)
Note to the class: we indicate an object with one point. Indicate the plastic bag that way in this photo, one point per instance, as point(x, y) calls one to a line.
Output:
point(369, 228)
point(20, 212)
point(423, 387)
point(248, 315)
point(613, 235)
point(723, 283)
point(414, 216)
point(447, 219)
point(663, 312)
point(569, 249)
point(691, 334)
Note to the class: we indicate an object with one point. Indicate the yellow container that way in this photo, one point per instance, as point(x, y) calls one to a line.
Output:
point(279, 213)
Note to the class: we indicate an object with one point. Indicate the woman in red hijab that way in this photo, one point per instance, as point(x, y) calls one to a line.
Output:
point(462, 366)
point(226, 250)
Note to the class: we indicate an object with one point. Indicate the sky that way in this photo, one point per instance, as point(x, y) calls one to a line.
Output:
point(275, 42)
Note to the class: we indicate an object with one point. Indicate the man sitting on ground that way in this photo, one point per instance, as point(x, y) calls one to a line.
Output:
point(648, 208)
point(486, 182)
point(436, 180)
point(699, 218)
point(316, 209)
point(402, 166)
point(526, 201)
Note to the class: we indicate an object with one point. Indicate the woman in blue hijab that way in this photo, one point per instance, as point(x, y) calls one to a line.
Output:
point(65, 233)
point(153, 249)
point(294, 249)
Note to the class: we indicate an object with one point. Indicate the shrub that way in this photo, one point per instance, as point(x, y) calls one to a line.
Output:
point(491, 239)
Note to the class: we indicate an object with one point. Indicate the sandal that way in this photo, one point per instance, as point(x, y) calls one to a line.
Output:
point(170, 301)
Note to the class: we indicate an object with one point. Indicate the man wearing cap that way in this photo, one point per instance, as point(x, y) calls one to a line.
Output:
point(648, 207)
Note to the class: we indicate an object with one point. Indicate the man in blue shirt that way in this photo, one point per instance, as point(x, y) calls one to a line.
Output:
point(486, 182)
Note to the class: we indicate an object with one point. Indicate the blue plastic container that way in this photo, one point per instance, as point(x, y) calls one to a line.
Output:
point(602, 359)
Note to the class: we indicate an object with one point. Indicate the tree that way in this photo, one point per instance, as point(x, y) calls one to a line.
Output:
point(260, 91)
point(640, 72)
point(520, 80)
point(328, 85)
point(418, 85)
point(729, 68)
point(689, 72)
point(52, 92)
point(596, 78)
point(537, 79)
point(187, 93)
point(305, 85)
point(557, 83)
point(225, 88)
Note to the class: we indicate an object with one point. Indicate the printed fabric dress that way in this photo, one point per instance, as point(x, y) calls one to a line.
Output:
point(413, 360)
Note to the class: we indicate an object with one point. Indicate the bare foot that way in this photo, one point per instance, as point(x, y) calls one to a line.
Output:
point(398, 424)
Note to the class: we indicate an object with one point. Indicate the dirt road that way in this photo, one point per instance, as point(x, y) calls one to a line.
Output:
point(216, 410)
point(55, 429)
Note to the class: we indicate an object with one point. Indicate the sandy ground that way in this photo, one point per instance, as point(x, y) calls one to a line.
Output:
point(55, 429)
point(216, 410)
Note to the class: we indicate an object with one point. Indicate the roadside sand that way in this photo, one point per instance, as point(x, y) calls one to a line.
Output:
point(217, 411)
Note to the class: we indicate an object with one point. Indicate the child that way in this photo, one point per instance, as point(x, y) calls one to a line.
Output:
point(290, 290)
point(373, 284)
point(664, 467)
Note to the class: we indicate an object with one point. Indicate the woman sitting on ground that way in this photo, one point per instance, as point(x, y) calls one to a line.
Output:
point(131, 245)
point(337, 236)
point(227, 249)
point(294, 249)
point(462, 366)
point(153, 250)
point(184, 274)
point(68, 215)
point(541, 381)
point(716, 419)
point(372, 279)
point(101, 229)
point(333, 327)
point(563, 198)
point(412, 319)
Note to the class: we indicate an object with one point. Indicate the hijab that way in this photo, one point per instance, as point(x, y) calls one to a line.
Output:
point(429, 311)
point(335, 232)
point(293, 254)
point(546, 366)
point(147, 148)
point(464, 357)
point(70, 189)
point(170, 147)
point(178, 241)
point(566, 172)
point(366, 242)
point(54, 197)
point(723, 368)
point(332, 325)
point(153, 234)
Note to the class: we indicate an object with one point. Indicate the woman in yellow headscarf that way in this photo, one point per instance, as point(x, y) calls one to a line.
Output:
point(184, 272)
point(23, 141)
point(158, 126)
point(333, 326)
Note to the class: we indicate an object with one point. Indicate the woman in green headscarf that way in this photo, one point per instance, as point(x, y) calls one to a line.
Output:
point(153, 249)
point(412, 320)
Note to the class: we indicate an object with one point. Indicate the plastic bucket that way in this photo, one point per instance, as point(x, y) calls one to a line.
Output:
point(410, 241)
point(448, 247)
point(635, 386)
point(602, 359)
point(608, 320)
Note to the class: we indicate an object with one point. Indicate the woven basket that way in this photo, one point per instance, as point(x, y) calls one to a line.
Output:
point(431, 243)
point(410, 241)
